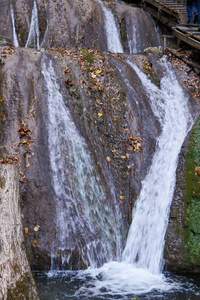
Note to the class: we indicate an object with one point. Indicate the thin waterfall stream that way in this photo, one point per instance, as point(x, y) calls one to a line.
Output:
point(77, 187)
point(15, 39)
point(112, 32)
point(150, 214)
point(33, 40)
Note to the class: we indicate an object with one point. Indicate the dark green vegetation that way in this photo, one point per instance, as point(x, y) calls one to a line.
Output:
point(191, 230)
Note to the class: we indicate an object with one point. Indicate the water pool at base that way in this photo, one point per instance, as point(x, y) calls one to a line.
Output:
point(81, 285)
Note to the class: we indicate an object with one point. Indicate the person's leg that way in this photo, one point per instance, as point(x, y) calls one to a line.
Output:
point(195, 11)
point(198, 6)
point(189, 11)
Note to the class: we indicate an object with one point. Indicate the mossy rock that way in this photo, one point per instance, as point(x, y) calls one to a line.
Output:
point(193, 162)
point(191, 230)
point(21, 290)
point(153, 50)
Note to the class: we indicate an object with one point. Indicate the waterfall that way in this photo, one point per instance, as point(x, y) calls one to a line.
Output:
point(15, 40)
point(34, 33)
point(46, 32)
point(140, 270)
point(141, 31)
point(145, 242)
point(86, 220)
point(112, 33)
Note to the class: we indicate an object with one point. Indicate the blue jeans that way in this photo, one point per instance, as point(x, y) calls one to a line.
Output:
point(198, 6)
point(192, 8)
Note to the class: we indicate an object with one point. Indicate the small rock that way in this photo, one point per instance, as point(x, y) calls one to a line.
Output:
point(153, 50)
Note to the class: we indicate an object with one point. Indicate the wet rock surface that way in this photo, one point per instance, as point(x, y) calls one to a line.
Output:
point(78, 23)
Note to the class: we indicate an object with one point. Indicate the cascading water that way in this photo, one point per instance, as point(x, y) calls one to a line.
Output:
point(45, 34)
point(34, 33)
point(15, 40)
point(141, 31)
point(140, 270)
point(86, 221)
point(142, 260)
point(150, 215)
point(113, 37)
point(81, 199)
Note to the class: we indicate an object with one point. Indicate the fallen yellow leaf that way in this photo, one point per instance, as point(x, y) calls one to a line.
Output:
point(36, 228)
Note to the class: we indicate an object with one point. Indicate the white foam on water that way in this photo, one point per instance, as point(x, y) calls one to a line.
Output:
point(121, 278)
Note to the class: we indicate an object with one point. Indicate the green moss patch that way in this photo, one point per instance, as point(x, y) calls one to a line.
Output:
point(191, 230)
point(193, 162)
point(88, 55)
point(21, 291)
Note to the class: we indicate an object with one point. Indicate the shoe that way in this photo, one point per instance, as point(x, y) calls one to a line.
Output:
point(189, 23)
point(199, 29)
point(195, 20)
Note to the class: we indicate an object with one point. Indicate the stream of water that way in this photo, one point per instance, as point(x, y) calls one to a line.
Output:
point(34, 32)
point(82, 207)
point(150, 214)
point(112, 32)
point(15, 40)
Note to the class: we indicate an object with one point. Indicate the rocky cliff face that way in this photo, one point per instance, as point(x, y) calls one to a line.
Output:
point(15, 275)
point(77, 23)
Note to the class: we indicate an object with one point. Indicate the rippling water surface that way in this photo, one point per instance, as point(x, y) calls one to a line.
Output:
point(83, 285)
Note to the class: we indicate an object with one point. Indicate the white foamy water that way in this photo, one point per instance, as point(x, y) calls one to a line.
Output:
point(122, 278)
point(15, 40)
point(34, 33)
point(112, 33)
point(85, 218)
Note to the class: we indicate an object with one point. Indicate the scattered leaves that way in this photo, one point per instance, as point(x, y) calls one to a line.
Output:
point(197, 171)
point(5, 117)
point(36, 228)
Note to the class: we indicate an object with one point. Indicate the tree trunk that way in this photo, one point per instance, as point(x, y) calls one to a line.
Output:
point(16, 281)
